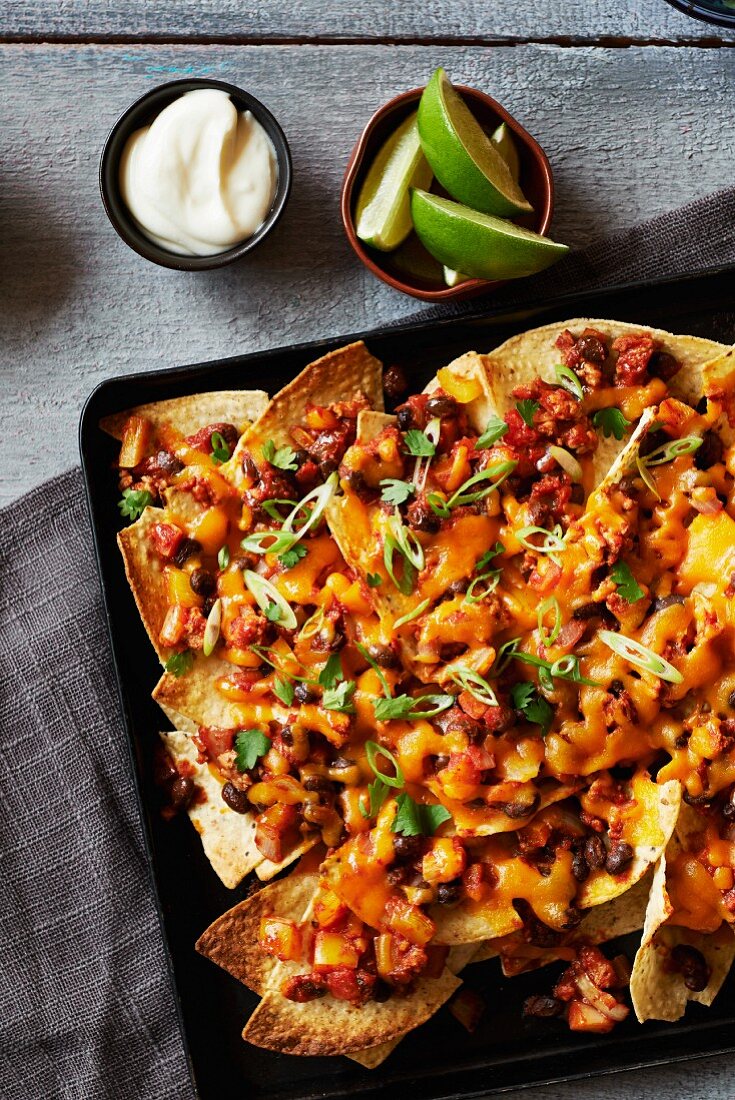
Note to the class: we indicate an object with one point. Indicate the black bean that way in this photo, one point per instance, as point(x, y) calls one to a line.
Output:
point(394, 383)
point(318, 783)
point(692, 964)
point(301, 457)
point(662, 365)
point(577, 496)
point(447, 893)
point(616, 688)
point(441, 405)
point(662, 602)
point(592, 349)
point(731, 699)
point(287, 735)
point(202, 582)
point(595, 853)
point(249, 468)
point(383, 655)
point(327, 467)
point(590, 611)
point(236, 799)
point(167, 463)
point(459, 587)
point(186, 549)
point(572, 918)
point(399, 876)
point(710, 453)
point(544, 1007)
point(421, 517)
point(440, 762)
point(404, 417)
point(229, 433)
point(181, 792)
point(304, 693)
point(355, 480)
point(580, 867)
point(407, 848)
point(382, 991)
point(207, 606)
point(618, 858)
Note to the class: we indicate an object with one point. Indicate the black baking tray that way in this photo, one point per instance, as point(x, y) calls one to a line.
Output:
point(440, 1059)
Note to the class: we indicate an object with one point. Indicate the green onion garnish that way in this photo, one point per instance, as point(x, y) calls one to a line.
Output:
point(566, 377)
point(373, 751)
point(414, 614)
point(266, 595)
point(640, 655)
point(469, 680)
point(552, 604)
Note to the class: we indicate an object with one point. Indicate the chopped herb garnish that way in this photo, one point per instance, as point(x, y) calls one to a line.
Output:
point(374, 579)
point(495, 475)
point(376, 669)
point(482, 563)
point(472, 682)
point(134, 502)
point(250, 745)
point(273, 508)
point(417, 819)
point(223, 557)
point(554, 542)
point(220, 449)
point(269, 600)
point(179, 663)
point(377, 794)
point(373, 750)
point(669, 451)
point(532, 706)
point(410, 615)
point(395, 491)
point(527, 409)
point(332, 672)
point(273, 612)
point(611, 422)
point(290, 558)
point(418, 444)
point(552, 604)
point(495, 429)
point(340, 697)
point(281, 457)
point(641, 656)
point(438, 504)
point(566, 377)
point(404, 706)
point(627, 585)
point(283, 689)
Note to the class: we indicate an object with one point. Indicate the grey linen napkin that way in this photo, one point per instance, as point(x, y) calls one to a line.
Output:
point(88, 1012)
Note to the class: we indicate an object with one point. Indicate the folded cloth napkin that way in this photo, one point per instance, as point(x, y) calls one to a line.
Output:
point(88, 1012)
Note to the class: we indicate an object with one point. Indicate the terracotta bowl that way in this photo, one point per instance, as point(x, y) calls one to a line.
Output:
point(536, 181)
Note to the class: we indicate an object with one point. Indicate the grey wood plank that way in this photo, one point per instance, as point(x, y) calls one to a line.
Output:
point(630, 133)
point(334, 19)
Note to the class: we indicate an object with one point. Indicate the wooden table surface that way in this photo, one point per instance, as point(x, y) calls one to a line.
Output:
point(632, 101)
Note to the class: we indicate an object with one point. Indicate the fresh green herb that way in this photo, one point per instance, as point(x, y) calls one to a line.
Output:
point(373, 750)
point(250, 745)
point(134, 502)
point(482, 586)
point(611, 422)
point(220, 449)
point(340, 697)
point(281, 457)
point(554, 542)
point(273, 612)
point(495, 429)
point(404, 706)
point(400, 541)
point(565, 668)
point(438, 505)
point(332, 671)
point(641, 656)
point(416, 819)
point(179, 663)
point(283, 689)
point(376, 669)
point(533, 706)
point(410, 615)
point(669, 451)
point(472, 682)
point(646, 477)
point(566, 377)
point(377, 794)
point(374, 580)
point(395, 491)
point(527, 409)
point(495, 474)
point(273, 507)
point(269, 600)
point(552, 604)
point(482, 563)
point(418, 444)
point(627, 585)
point(223, 558)
point(290, 558)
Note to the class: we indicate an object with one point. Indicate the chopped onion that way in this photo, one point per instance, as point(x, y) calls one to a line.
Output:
point(266, 594)
point(211, 630)
point(567, 461)
point(640, 655)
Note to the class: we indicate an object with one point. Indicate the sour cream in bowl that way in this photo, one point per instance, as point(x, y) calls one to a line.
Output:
point(194, 174)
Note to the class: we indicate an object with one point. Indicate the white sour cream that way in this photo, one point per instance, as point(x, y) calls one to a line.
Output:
point(201, 178)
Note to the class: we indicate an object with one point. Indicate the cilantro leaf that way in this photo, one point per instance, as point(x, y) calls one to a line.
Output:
point(273, 612)
point(533, 706)
point(482, 563)
point(377, 793)
point(415, 819)
point(332, 671)
point(527, 408)
point(179, 663)
point(220, 449)
point(374, 579)
point(495, 429)
point(340, 697)
point(419, 444)
point(282, 457)
point(134, 502)
point(289, 558)
point(250, 745)
point(400, 707)
point(395, 491)
point(627, 585)
point(611, 422)
point(283, 689)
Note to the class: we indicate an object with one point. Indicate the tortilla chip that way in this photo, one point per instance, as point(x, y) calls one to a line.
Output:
point(193, 700)
point(338, 376)
point(472, 366)
point(266, 870)
point(228, 838)
point(188, 414)
point(658, 992)
point(145, 572)
point(370, 424)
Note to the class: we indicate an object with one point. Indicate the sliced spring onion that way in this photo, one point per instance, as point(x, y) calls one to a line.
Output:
point(414, 614)
point(376, 669)
point(552, 604)
point(641, 656)
point(495, 474)
point(406, 581)
point(260, 542)
point(373, 750)
point(568, 668)
point(223, 557)
point(271, 507)
point(268, 542)
point(669, 451)
point(406, 541)
point(554, 541)
point(567, 461)
point(267, 594)
point(423, 462)
point(438, 505)
point(566, 377)
point(646, 477)
point(211, 630)
point(470, 681)
point(313, 625)
point(482, 586)
point(504, 656)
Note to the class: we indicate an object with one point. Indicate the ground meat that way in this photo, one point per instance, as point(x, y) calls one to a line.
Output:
point(634, 355)
point(549, 498)
point(304, 987)
point(559, 419)
point(202, 440)
point(421, 517)
point(584, 355)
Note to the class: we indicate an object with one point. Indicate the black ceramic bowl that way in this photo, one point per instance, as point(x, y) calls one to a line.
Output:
point(141, 113)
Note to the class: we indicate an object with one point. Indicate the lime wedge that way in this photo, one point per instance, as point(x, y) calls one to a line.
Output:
point(464, 159)
point(383, 214)
point(452, 277)
point(480, 245)
point(412, 259)
point(503, 141)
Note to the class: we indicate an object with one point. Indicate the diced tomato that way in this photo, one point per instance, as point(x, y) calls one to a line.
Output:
point(445, 860)
point(475, 882)
point(174, 626)
point(166, 539)
point(599, 969)
point(216, 740)
point(272, 831)
point(354, 986)
point(281, 938)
